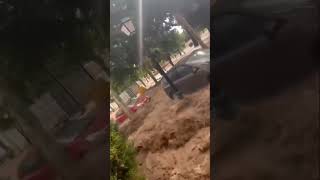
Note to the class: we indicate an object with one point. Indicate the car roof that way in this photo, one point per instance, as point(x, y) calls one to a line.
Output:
point(198, 56)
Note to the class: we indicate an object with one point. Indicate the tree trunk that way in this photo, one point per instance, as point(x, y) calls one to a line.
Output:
point(152, 76)
point(191, 32)
point(194, 40)
point(122, 106)
point(170, 61)
point(142, 82)
point(45, 143)
point(146, 78)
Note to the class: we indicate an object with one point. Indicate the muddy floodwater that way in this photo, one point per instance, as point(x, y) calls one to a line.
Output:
point(272, 138)
point(173, 137)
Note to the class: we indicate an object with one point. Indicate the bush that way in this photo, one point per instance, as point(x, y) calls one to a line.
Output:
point(122, 157)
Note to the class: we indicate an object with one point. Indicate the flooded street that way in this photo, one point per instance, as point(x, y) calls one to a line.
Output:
point(275, 138)
point(173, 137)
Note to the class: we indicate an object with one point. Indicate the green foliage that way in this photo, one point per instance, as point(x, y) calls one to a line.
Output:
point(122, 157)
point(158, 33)
point(172, 43)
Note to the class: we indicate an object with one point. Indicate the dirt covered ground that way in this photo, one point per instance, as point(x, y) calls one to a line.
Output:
point(173, 137)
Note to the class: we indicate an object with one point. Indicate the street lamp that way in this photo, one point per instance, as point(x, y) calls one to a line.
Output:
point(127, 26)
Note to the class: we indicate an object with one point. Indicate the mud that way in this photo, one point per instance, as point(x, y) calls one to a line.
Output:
point(173, 137)
point(272, 138)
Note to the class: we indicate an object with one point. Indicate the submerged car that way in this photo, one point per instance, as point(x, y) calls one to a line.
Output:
point(189, 75)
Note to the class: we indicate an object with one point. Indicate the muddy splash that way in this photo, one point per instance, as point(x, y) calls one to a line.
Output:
point(173, 137)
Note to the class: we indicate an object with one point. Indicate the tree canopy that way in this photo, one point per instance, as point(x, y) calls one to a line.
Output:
point(158, 33)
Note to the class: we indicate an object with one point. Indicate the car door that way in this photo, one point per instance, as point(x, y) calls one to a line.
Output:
point(187, 82)
point(201, 76)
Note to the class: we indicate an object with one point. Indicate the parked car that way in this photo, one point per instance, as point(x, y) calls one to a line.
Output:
point(135, 104)
point(76, 136)
point(189, 75)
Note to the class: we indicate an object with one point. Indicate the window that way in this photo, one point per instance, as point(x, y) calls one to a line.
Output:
point(177, 73)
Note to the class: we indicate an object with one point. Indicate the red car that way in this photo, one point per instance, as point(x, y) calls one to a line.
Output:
point(135, 105)
point(75, 136)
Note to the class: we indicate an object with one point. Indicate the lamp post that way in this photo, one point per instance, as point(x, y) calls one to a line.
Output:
point(127, 26)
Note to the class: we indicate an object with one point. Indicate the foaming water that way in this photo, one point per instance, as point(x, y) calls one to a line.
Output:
point(173, 137)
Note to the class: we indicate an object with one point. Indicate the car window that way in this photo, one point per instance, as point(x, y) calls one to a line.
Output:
point(183, 71)
point(177, 73)
point(232, 31)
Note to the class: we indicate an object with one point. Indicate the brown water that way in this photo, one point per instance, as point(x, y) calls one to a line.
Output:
point(274, 138)
point(173, 137)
